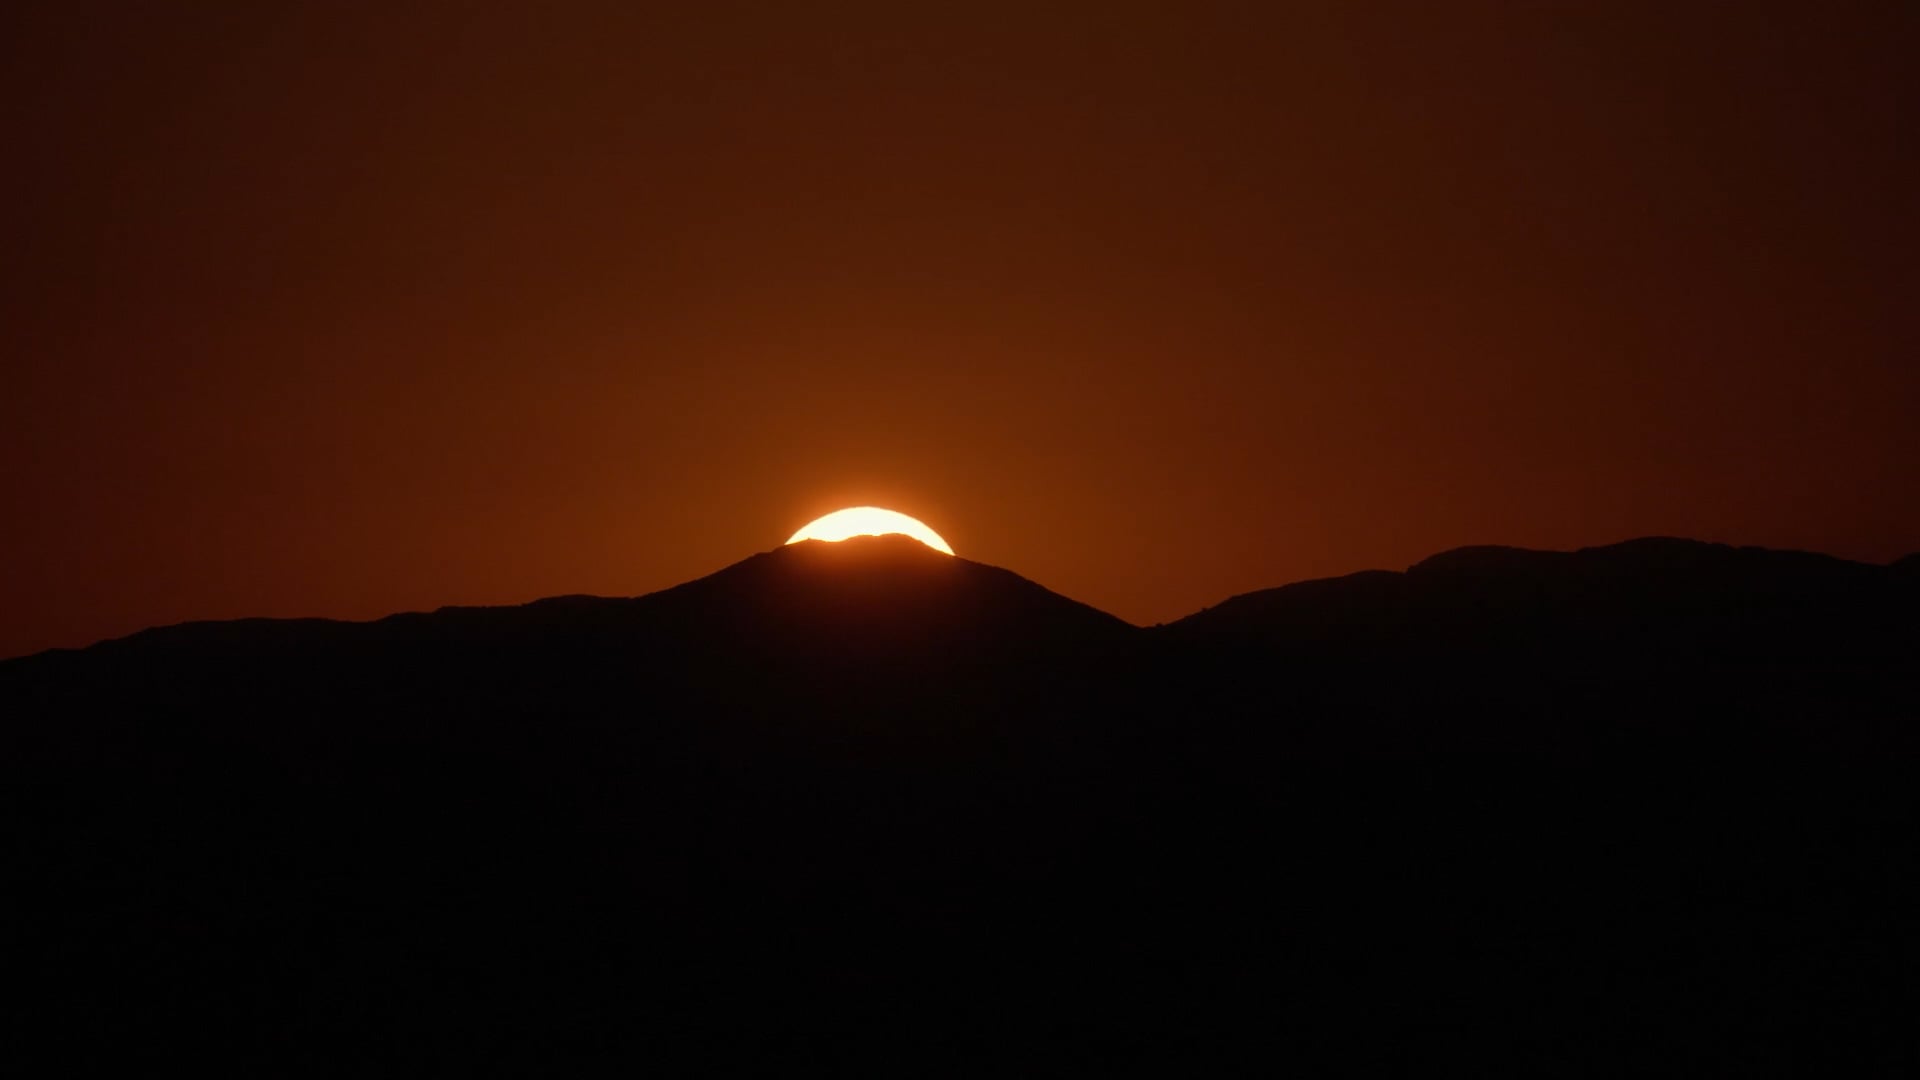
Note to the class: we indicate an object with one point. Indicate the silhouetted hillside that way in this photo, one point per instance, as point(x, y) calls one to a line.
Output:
point(871, 624)
point(1559, 646)
point(865, 804)
point(1679, 584)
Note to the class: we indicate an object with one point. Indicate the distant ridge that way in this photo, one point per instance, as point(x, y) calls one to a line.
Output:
point(810, 587)
point(883, 588)
point(1648, 563)
point(1650, 554)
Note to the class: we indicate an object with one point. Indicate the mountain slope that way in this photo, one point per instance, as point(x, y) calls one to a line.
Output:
point(885, 616)
point(872, 592)
point(864, 805)
point(1509, 587)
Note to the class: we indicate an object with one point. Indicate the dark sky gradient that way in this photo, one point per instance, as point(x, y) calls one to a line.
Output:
point(328, 309)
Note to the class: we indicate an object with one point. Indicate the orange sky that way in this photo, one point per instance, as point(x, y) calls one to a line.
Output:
point(326, 309)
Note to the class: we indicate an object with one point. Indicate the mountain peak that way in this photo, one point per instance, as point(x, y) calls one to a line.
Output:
point(885, 591)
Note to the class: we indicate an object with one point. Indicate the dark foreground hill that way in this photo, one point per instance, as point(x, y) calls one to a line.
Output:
point(867, 805)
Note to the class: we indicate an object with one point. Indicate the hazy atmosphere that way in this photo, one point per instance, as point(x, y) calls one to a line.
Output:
point(325, 309)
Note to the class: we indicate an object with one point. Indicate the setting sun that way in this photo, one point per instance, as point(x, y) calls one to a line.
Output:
point(868, 521)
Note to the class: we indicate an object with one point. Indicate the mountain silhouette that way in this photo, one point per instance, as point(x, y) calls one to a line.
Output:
point(868, 805)
point(1678, 584)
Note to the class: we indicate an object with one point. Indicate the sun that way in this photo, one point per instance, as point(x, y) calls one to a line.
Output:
point(868, 521)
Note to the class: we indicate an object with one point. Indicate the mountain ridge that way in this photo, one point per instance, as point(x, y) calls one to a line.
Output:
point(1669, 552)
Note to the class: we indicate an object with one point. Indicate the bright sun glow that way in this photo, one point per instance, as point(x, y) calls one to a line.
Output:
point(868, 521)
